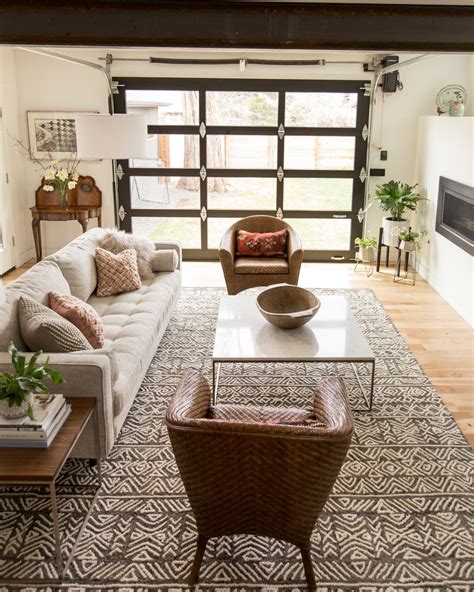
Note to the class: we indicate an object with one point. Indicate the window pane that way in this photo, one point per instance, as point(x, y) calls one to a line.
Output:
point(317, 194)
point(165, 192)
point(323, 234)
point(241, 193)
point(165, 107)
point(186, 230)
point(241, 108)
point(216, 227)
point(241, 152)
point(320, 152)
point(320, 109)
point(178, 151)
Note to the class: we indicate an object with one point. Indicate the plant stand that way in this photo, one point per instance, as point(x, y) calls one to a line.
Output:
point(387, 254)
point(409, 273)
point(367, 265)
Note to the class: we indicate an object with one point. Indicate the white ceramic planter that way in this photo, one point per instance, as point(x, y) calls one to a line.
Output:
point(15, 410)
point(407, 245)
point(391, 230)
point(365, 254)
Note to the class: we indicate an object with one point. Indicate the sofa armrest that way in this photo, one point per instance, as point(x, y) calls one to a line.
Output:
point(85, 375)
point(170, 244)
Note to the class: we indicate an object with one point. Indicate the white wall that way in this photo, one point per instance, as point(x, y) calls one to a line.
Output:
point(445, 148)
point(48, 84)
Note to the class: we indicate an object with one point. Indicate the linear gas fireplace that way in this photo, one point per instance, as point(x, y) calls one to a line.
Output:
point(455, 213)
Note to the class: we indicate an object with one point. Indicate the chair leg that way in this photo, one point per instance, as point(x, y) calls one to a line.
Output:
point(308, 567)
point(201, 547)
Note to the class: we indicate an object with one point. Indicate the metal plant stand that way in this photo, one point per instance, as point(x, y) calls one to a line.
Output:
point(408, 275)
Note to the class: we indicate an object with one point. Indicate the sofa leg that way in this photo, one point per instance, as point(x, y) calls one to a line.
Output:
point(201, 547)
point(308, 567)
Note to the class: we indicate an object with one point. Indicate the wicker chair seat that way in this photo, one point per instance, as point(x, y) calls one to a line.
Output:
point(265, 415)
point(261, 265)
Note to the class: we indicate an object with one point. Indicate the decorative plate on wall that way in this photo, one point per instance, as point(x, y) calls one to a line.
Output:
point(448, 94)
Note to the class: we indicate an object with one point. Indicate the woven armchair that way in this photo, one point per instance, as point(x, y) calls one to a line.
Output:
point(241, 273)
point(258, 470)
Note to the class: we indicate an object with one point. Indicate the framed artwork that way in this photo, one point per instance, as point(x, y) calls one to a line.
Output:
point(52, 134)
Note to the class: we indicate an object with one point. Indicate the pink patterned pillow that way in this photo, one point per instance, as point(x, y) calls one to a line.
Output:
point(116, 273)
point(80, 314)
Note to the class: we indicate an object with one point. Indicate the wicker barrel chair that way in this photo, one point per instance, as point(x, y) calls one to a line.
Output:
point(258, 470)
point(241, 273)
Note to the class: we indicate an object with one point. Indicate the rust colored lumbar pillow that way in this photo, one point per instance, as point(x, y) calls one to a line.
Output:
point(262, 244)
point(116, 273)
point(80, 314)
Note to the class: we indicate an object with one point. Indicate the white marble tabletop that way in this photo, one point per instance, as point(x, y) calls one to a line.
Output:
point(242, 334)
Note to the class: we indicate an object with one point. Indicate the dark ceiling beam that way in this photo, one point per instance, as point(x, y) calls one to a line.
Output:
point(238, 25)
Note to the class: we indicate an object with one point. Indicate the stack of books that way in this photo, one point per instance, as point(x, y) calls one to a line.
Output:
point(49, 412)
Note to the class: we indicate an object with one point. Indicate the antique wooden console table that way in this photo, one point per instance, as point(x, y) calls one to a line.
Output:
point(80, 213)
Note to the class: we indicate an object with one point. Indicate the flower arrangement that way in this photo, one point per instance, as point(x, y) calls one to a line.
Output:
point(63, 178)
point(16, 388)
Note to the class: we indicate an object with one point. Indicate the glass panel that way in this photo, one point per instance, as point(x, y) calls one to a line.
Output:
point(317, 194)
point(165, 192)
point(242, 193)
point(320, 152)
point(241, 152)
point(178, 151)
point(165, 107)
point(323, 234)
point(320, 109)
point(216, 228)
point(186, 230)
point(241, 108)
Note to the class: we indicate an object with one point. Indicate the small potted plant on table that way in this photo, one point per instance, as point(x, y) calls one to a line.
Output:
point(17, 388)
point(366, 248)
point(395, 198)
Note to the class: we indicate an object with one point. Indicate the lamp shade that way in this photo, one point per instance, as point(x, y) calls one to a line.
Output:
point(111, 136)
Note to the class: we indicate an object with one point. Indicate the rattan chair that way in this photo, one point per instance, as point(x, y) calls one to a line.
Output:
point(241, 273)
point(258, 471)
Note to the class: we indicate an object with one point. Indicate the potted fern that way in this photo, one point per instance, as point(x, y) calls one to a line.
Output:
point(17, 388)
point(396, 198)
point(366, 248)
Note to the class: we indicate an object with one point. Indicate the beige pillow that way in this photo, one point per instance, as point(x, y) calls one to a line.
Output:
point(117, 241)
point(116, 273)
point(80, 314)
point(42, 328)
point(164, 260)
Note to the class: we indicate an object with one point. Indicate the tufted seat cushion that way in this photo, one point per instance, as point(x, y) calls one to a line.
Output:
point(261, 265)
point(132, 322)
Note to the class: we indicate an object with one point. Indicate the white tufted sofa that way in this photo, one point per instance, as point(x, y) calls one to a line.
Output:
point(134, 323)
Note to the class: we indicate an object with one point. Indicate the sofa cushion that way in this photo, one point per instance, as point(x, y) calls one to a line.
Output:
point(43, 329)
point(132, 323)
point(117, 241)
point(76, 261)
point(116, 273)
point(80, 314)
point(36, 284)
point(165, 260)
point(264, 265)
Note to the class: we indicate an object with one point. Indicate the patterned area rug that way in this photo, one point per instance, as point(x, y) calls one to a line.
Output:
point(398, 517)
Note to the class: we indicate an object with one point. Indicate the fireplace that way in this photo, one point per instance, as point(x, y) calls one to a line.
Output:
point(455, 213)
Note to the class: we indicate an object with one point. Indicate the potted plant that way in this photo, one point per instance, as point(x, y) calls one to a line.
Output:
point(396, 197)
point(17, 388)
point(366, 248)
point(409, 239)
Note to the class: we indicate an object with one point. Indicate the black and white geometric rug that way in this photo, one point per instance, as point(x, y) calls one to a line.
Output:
point(399, 518)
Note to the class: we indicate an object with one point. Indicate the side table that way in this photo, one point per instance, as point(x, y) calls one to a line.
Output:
point(54, 214)
point(41, 467)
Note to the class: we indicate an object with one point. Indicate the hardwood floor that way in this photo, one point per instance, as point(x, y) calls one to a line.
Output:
point(442, 342)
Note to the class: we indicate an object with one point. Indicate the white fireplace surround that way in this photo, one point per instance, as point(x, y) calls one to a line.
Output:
point(445, 148)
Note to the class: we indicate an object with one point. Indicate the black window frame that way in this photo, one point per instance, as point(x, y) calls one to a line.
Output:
point(202, 85)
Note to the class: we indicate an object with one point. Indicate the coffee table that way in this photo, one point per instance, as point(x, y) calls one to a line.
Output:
point(41, 467)
point(333, 335)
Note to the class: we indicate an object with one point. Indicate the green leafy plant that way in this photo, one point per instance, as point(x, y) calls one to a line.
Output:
point(397, 197)
point(364, 243)
point(26, 378)
point(411, 236)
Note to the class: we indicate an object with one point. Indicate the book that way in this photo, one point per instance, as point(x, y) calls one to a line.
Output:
point(31, 432)
point(39, 443)
point(45, 409)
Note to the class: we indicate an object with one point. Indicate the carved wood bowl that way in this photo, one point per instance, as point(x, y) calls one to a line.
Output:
point(286, 306)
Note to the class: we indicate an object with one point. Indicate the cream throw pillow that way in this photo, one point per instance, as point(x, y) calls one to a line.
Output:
point(116, 273)
point(117, 241)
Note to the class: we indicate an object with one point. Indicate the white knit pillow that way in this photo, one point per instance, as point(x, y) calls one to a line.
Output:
point(117, 241)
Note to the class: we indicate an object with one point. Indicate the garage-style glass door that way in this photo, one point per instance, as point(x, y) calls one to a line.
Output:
point(219, 150)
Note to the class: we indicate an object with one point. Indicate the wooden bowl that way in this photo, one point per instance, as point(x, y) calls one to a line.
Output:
point(286, 306)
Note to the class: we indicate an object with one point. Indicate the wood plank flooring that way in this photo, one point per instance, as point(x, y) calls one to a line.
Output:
point(442, 342)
